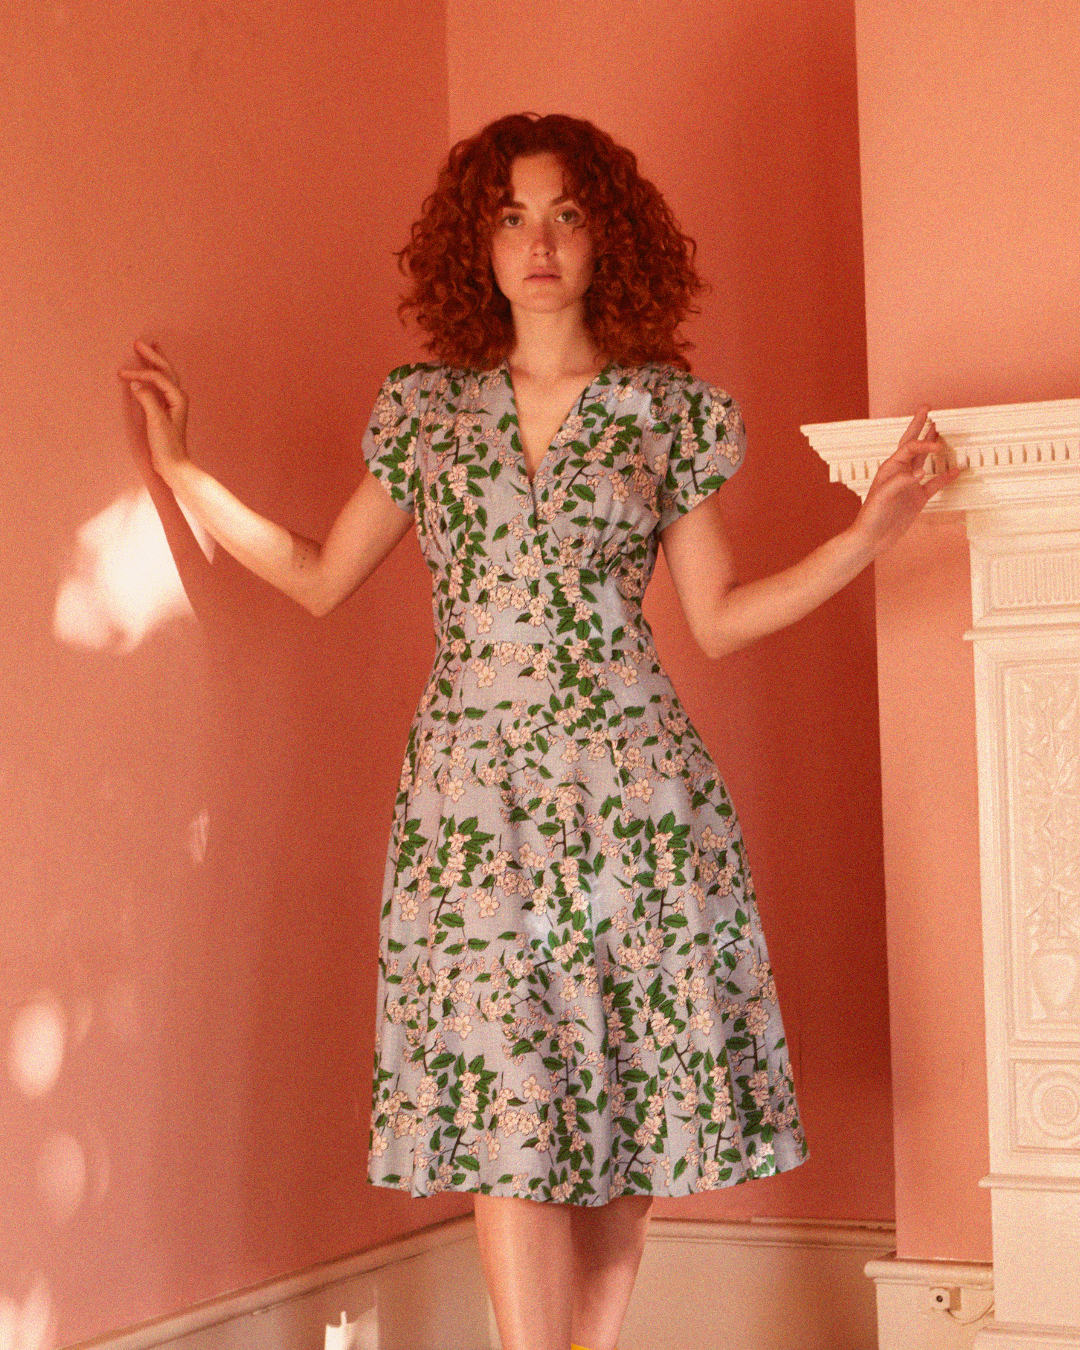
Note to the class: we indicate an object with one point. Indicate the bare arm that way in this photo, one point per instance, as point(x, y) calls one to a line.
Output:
point(317, 576)
point(724, 614)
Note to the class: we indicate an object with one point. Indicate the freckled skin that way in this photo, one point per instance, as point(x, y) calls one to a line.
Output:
point(543, 233)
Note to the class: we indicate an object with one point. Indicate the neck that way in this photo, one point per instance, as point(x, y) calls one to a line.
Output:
point(547, 346)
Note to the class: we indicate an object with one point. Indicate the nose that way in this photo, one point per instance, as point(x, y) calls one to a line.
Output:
point(542, 241)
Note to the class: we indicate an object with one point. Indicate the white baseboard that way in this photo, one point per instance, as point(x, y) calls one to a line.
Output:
point(765, 1284)
point(934, 1305)
point(756, 1285)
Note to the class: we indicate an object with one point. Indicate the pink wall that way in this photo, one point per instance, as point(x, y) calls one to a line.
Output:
point(194, 811)
point(198, 807)
point(745, 116)
point(970, 150)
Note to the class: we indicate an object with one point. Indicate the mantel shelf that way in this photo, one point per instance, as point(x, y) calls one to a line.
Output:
point(1014, 454)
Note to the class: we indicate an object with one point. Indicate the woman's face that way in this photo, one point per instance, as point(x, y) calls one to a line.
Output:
point(541, 249)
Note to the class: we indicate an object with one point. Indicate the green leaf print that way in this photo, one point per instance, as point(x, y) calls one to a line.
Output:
point(569, 949)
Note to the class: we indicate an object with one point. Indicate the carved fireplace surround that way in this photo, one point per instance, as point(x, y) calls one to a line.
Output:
point(1021, 502)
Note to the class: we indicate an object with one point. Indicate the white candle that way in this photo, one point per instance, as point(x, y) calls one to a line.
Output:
point(337, 1338)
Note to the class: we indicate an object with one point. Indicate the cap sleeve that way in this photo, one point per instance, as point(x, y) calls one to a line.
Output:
point(708, 444)
point(389, 443)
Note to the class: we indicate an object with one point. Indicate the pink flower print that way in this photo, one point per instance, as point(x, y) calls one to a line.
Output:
point(569, 868)
point(720, 1109)
point(541, 899)
point(533, 1091)
point(640, 789)
point(487, 903)
point(764, 1153)
point(757, 1018)
point(428, 1092)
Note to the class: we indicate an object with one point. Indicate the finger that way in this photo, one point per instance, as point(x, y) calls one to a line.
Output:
point(941, 480)
point(915, 423)
point(148, 375)
point(929, 442)
point(907, 458)
point(174, 397)
point(149, 351)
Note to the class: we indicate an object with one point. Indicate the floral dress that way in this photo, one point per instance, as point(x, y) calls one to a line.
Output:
point(574, 996)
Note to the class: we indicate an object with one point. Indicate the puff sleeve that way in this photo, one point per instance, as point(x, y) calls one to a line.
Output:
point(389, 443)
point(708, 444)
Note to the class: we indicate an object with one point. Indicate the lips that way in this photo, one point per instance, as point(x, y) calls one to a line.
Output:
point(537, 276)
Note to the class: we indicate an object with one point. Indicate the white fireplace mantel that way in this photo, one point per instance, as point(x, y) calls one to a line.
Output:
point(1020, 494)
point(1017, 454)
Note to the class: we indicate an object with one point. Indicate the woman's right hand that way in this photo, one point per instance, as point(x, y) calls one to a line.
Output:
point(166, 423)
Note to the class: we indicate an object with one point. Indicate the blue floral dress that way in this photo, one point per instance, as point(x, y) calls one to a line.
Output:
point(574, 995)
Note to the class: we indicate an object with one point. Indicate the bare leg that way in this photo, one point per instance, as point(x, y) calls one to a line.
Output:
point(527, 1258)
point(608, 1241)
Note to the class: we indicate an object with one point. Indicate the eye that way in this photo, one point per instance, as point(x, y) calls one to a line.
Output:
point(572, 212)
point(508, 217)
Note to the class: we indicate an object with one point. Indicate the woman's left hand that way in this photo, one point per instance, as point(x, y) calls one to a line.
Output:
point(896, 496)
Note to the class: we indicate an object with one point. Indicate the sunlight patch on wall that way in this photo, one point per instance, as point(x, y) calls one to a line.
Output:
point(60, 1170)
point(30, 1323)
point(123, 582)
point(36, 1045)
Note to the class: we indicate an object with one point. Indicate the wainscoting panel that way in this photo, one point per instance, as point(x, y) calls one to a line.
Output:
point(759, 1285)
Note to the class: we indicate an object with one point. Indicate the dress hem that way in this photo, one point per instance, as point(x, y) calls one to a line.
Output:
point(494, 1188)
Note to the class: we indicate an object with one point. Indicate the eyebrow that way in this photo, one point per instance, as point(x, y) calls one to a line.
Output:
point(521, 205)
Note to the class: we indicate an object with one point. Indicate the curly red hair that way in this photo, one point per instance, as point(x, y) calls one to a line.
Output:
point(644, 281)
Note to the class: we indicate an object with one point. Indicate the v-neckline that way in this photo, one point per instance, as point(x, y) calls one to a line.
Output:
point(553, 444)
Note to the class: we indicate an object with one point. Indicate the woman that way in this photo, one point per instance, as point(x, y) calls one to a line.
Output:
point(576, 1010)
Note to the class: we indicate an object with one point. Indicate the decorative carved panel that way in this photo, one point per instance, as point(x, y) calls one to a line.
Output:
point(1042, 710)
point(1046, 1105)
